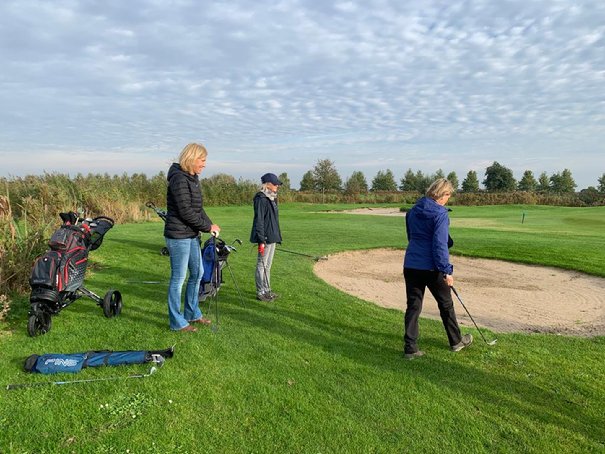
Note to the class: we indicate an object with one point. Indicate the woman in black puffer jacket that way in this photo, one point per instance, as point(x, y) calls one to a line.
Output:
point(185, 219)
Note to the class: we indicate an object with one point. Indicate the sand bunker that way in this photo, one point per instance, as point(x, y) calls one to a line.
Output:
point(501, 296)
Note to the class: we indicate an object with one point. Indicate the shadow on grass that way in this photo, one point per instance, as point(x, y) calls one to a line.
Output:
point(521, 399)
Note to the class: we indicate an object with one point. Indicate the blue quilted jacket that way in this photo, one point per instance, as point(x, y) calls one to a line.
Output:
point(427, 226)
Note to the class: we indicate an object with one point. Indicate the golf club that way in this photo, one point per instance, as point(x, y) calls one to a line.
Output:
point(314, 257)
point(493, 342)
point(31, 385)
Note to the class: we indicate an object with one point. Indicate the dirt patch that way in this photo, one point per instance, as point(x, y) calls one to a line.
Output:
point(501, 296)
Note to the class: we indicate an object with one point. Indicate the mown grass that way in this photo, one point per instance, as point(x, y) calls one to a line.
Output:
point(319, 370)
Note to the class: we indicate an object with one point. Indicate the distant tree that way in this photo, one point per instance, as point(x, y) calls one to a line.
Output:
point(408, 182)
point(220, 179)
point(471, 182)
point(499, 178)
point(384, 181)
point(602, 183)
point(527, 182)
point(308, 182)
point(453, 178)
point(543, 182)
point(283, 177)
point(356, 184)
point(437, 175)
point(326, 176)
point(562, 182)
point(422, 181)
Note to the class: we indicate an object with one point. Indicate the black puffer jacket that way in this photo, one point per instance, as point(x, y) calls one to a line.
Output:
point(185, 207)
point(265, 227)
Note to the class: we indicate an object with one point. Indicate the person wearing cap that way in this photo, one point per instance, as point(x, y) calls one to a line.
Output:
point(266, 234)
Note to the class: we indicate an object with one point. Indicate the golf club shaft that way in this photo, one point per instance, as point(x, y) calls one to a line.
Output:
point(46, 383)
point(471, 317)
point(314, 257)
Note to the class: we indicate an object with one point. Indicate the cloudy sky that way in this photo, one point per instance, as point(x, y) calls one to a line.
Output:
point(122, 85)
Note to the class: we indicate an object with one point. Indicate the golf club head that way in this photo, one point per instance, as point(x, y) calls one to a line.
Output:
point(158, 360)
point(492, 342)
point(152, 370)
point(323, 257)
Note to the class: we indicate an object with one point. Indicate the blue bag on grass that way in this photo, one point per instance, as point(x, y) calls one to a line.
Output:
point(53, 363)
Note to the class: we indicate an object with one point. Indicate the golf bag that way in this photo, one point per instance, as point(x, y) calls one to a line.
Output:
point(214, 257)
point(53, 363)
point(57, 276)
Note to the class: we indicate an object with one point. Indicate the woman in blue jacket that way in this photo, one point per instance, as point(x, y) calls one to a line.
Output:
point(427, 264)
point(185, 219)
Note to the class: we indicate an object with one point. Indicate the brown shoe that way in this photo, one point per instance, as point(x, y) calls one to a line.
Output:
point(203, 321)
point(189, 328)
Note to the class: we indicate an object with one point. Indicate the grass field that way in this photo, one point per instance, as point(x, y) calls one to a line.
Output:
point(318, 371)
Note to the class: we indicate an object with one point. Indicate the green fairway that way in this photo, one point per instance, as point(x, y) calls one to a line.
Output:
point(317, 371)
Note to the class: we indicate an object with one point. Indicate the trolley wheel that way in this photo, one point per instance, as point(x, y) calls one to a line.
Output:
point(164, 251)
point(39, 323)
point(112, 303)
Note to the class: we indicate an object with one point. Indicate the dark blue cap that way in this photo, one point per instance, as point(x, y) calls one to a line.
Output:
point(270, 178)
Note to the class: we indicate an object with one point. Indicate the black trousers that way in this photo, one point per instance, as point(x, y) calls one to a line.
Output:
point(416, 281)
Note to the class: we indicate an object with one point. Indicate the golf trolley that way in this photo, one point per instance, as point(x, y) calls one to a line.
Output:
point(215, 254)
point(57, 276)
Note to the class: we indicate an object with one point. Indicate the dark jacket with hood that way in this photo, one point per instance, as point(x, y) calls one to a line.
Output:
point(265, 227)
point(427, 225)
point(185, 216)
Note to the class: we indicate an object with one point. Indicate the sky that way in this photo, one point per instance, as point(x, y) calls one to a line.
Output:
point(275, 86)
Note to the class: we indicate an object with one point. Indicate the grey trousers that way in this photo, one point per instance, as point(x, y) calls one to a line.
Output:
point(263, 269)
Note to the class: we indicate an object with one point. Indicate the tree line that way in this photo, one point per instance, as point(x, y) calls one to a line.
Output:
point(498, 178)
point(124, 196)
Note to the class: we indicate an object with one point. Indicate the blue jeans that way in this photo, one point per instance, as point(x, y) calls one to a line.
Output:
point(185, 254)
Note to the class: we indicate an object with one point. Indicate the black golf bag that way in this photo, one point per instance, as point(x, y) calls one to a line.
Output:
point(214, 257)
point(57, 276)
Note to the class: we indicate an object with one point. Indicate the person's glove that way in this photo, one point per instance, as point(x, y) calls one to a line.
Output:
point(261, 248)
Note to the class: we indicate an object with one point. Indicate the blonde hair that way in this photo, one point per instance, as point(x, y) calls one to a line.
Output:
point(190, 153)
point(439, 188)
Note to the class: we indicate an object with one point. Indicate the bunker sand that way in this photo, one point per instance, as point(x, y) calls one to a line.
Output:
point(501, 296)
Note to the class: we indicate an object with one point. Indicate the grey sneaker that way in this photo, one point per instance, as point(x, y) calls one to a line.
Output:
point(417, 354)
point(467, 340)
point(264, 297)
point(273, 295)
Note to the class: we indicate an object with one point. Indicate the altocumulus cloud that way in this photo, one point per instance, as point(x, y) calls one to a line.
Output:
point(122, 86)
